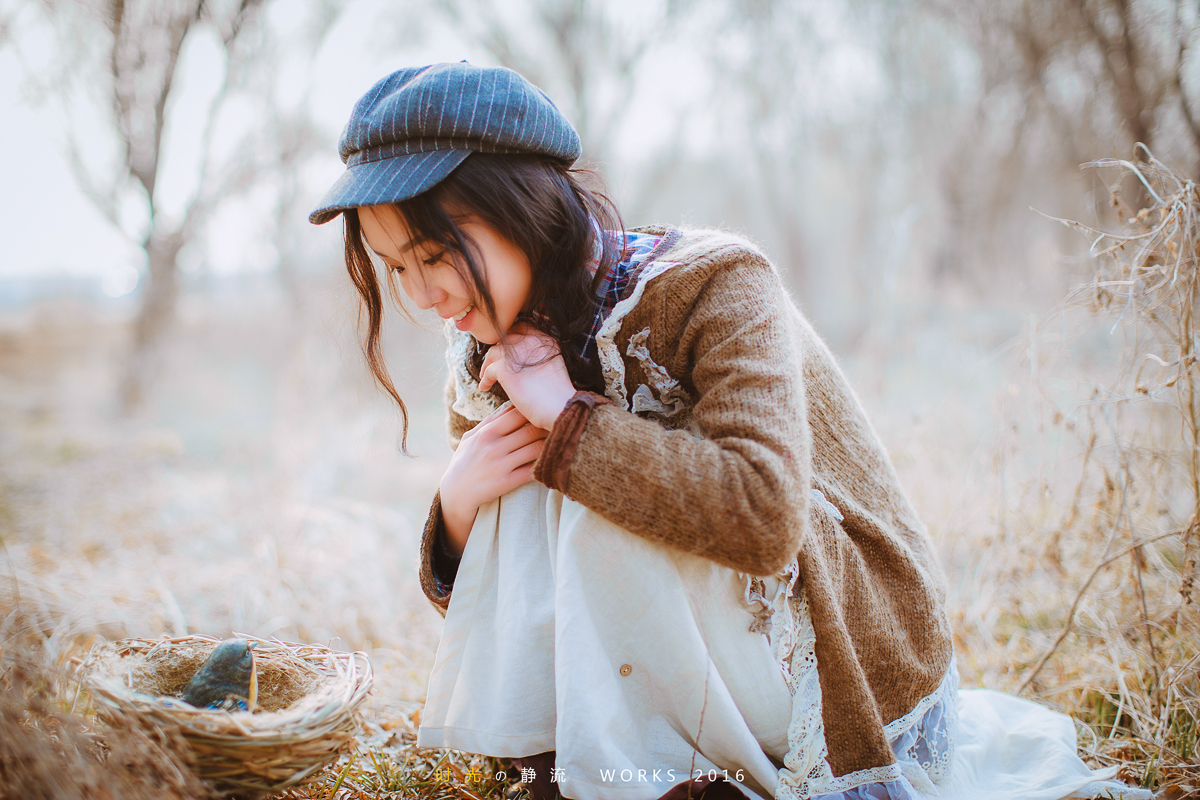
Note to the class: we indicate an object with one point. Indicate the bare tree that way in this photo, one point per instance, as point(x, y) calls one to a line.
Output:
point(764, 64)
point(1064, 83)
point(288, 135)
point(140, 42)
point(820, 125)
point(5, 25)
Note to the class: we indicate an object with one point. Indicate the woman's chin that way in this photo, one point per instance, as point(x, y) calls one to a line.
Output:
point(486, 337)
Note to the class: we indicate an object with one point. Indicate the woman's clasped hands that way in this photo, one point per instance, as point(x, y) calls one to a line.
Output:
point(497, 455)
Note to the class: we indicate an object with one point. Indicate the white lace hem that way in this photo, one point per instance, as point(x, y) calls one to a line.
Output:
point(922, 739)
point(845, 783)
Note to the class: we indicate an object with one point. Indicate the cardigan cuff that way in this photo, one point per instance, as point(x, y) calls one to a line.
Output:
point(553, 468)
point(439, 566)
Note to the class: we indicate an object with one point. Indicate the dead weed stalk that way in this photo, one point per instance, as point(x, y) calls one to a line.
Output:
point(1129, 641)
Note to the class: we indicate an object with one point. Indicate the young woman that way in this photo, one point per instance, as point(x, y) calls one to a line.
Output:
point(672, 552)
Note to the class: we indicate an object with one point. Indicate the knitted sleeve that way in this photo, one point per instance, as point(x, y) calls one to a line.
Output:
point(739, 493)
point(439, 566)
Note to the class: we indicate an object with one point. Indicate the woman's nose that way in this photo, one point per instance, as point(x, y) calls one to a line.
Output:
point(424, 293)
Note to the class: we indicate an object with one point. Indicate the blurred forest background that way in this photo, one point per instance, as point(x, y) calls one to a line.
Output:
point(189, 442)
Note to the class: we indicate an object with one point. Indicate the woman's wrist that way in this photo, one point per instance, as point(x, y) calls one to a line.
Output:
point(556, 405)
point(554, 466)
point(457, 520)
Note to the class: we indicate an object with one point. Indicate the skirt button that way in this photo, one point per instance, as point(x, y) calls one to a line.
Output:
point(626, 669)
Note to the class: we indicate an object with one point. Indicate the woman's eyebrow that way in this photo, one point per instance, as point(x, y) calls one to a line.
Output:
point(407, 247)
point(400, 252)
point(376, 253)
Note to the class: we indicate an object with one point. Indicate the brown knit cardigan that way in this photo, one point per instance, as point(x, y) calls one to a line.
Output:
point(750, 413)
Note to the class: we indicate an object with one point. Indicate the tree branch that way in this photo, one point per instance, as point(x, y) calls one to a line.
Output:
point(1181, 55)
point(148, 174)
point(202, 201)
point(105, 201)
point(121, 104)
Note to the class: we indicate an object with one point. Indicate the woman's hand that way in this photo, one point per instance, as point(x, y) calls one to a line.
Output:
point(531, 370)
point(493, 458)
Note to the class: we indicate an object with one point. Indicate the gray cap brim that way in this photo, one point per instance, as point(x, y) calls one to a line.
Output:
point(388, 180)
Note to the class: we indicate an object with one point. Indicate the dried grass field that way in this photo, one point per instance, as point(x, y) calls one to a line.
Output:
point(260, 490)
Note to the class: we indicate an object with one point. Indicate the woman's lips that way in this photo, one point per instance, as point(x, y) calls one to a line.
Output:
point(462, 319)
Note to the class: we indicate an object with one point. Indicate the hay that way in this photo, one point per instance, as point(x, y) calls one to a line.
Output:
point(307, 713)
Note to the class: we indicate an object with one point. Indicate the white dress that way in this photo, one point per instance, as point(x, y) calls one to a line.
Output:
point(638, 664)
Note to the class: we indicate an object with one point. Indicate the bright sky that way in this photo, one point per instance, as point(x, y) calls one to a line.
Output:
point(50, 228)
point(46, 223)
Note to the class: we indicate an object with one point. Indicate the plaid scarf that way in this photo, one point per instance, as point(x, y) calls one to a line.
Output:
point(637, 247)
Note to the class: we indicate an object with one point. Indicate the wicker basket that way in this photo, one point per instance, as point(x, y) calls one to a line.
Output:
point(307, 709)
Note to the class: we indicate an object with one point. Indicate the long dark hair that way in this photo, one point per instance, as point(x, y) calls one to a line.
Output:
point(535, 203)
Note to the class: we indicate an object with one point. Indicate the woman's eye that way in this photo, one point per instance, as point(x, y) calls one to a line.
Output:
point(435, 259)
point(396, 268)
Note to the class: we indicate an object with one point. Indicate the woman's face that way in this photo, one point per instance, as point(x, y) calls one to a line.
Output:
point(431, 280)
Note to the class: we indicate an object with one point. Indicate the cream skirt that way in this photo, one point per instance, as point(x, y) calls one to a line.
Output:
point(637, 664)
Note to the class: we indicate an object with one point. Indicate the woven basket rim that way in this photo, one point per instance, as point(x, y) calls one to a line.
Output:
point(347, 680)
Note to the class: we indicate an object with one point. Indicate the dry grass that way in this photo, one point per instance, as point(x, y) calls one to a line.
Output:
point(1134, 619)
point(387, 763)
point(1075, 584)
point(261, 491)
point(48, 751)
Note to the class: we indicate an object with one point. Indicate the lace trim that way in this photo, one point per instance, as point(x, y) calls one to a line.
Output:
point(943, 762)
point(672, 398)
point(923, 739)
point(901, 724)
point(469, 401)
point(925, 750)
point(606, 346)
point(853, 780)
point(771, 594)
point(805, 772)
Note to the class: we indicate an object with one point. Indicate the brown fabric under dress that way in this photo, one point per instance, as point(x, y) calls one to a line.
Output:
point(726, 410)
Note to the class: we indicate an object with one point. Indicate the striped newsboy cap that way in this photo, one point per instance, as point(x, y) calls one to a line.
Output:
point(416, 125)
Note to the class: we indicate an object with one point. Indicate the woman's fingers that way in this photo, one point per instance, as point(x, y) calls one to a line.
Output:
point(526, 455)
point(525, 346)
point(525, 434)
point(502, 410)
point(486, 421)
point(487, 370)
point(495, 363)
point(487, 373)
point(500, 419)
point(505, 423)
point(518, 477)
point(506, 449)
point(532, 371)
point(496, 460)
